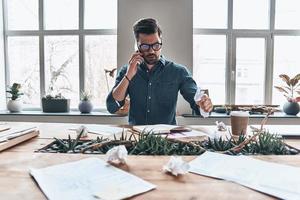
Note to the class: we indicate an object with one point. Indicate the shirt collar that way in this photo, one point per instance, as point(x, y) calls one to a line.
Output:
point(162, 60)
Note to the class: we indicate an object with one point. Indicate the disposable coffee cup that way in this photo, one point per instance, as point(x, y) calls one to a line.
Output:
point(239, 122)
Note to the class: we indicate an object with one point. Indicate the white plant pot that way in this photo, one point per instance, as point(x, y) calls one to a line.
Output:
point(15, 105)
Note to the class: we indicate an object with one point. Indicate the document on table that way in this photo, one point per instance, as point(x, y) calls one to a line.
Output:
point(90, 178)
point(279, 180)
point(16, 131)
point(283, 130)
point(192, 133)
point(105, 130)
point(155, 129)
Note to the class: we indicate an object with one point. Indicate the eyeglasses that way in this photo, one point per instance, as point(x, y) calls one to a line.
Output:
point(146, 47)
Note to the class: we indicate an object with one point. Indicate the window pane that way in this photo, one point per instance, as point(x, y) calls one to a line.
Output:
point(286, 61)
point(100, 54)
point(250, 14)
point(250, 70)
point(22, 14)
point(210, 56)
point(100, 14)
point(62, 67)
point(210, 13)
point(61, 14)
point(23, 59)
point(287, 14)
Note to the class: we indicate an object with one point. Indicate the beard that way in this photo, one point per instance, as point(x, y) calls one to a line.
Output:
point(151, 59)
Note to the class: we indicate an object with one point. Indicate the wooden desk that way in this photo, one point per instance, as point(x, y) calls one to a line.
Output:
point(16, 183)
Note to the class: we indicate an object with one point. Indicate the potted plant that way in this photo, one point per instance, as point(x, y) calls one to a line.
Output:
point(292, 93)
point(85, 105)
point(55, 103)
point(15, 103)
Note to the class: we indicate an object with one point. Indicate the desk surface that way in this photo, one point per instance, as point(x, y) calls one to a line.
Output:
point(15, 182)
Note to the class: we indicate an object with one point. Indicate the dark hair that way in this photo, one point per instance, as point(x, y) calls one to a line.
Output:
point(147, 26)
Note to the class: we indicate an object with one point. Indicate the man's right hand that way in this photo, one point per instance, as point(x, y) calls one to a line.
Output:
point(135, 60)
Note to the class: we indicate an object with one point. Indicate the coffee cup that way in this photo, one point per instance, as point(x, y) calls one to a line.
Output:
point(239, 122)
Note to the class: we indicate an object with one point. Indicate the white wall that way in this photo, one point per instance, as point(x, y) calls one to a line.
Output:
point(176, 20)
point(2, 72)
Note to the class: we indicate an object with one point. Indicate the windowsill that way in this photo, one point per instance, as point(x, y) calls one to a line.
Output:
point(103, 117)
point(71, 113)
point(107, 114)
point(224, 115)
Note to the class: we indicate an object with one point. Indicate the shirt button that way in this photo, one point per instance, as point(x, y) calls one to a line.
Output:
point(149, 97)
point(148, 111)
point(150, 84)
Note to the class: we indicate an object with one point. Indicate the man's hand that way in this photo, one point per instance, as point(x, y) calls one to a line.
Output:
point(205, 103)
point(134, 61)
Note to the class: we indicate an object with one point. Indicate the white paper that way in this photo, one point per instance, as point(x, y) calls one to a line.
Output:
point(117, 154)
point(16, 130)
point(192, 133)
point(155, 129)
point(221, 126)
point(88, 179)
point(176, 166)
point(284, 130)
point(199, 94)
point(282, 181)
point(105, 130)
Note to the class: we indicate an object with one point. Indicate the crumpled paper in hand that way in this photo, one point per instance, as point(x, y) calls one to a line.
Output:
point(176, 166)
point(221, 126)
point(117, 154)
point(199, 94)
point(84, 129)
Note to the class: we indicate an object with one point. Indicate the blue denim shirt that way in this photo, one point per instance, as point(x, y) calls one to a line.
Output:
point(153, 94)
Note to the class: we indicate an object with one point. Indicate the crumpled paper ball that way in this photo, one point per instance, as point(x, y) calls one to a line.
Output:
point(221, 126)
point(84, 129)
point(117, 154)
point(199, 94)
point(176, 166)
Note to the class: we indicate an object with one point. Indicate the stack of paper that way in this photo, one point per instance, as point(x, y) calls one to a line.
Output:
point(87, 179)
point(275, 179)
point(15, 131)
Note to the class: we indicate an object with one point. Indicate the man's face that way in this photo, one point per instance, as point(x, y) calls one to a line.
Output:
point(152, 54)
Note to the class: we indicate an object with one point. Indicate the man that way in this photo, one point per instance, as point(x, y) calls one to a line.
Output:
point(152, 82)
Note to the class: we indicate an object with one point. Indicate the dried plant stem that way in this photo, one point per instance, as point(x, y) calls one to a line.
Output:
point(112, 142)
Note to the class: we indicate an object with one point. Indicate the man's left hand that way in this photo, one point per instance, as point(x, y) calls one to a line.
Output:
point(205, 103)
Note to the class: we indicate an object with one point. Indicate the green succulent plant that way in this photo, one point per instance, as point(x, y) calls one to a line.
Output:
point(14, 91)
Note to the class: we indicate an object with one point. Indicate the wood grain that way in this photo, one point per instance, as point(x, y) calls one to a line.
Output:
point(16, 183)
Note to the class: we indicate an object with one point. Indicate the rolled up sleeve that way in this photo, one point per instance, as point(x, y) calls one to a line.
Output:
point(188, 89)
point(113, 105)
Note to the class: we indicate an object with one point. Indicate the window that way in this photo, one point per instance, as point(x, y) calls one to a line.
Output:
point(61, 14)
point(239, 60)
point(250, 70)
point(210, 57)
point(61, 46)
point(20, 11)
point(287, 13)
point(286, 61)
point(99, 55)
point(250, 14)
point(23, 57)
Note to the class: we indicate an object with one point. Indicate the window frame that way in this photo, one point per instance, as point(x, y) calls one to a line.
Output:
point(231, 35)
point(41, 33)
